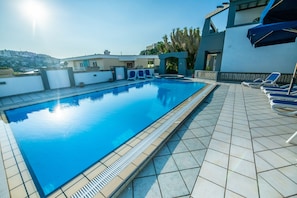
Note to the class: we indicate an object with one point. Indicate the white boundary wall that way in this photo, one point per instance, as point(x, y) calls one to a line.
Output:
point(92, 77)
point(58, 79)
point(120, 73)
point(20, 85)
point(10, 86)
point(240, 56)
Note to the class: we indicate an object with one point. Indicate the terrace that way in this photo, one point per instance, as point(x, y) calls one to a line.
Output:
point(233, 145)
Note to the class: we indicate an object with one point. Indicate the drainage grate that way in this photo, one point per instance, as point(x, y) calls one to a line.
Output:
point(98, 183)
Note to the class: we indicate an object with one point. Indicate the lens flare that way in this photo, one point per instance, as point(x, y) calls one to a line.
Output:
point(36, 12)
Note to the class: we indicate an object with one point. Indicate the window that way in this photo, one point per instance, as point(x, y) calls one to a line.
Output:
point(95, 64)
point(150, 63)
point(129, 65)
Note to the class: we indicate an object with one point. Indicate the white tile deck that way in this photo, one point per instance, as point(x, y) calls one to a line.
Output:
point(247, 155)
point(233, 145)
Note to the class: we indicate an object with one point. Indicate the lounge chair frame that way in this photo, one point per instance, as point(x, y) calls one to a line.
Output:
point(269, 81)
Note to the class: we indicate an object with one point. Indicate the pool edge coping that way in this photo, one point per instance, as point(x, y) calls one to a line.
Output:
point(114, 187)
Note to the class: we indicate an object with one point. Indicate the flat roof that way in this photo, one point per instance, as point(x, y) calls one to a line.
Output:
point(103, 56)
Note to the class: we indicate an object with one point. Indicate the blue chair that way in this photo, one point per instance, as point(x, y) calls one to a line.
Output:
point(141, 74)
point(278, 96)
point(277, 87)
point(148, 73)
point(280, 91)
point(269, 81)
point(284, 107)
point(131, 75)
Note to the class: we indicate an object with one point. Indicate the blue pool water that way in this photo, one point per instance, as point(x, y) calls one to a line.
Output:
point(60, 139)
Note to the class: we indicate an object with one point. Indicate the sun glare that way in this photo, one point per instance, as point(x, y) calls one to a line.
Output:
point(60, 113)
point(36, 12)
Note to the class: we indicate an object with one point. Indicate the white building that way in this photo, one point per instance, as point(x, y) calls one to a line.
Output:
point(231, 51)
point(107, 62)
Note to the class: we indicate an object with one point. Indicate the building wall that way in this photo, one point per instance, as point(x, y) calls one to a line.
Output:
point(240, 56)
point(99, 63)
point(108, 63)
point(141, 63)
point(71, 64)
point(212, 43)
point(144, 62)
point(157, 62)
point(75, 65)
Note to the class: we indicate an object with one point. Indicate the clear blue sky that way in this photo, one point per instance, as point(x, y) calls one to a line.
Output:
point(67, 28)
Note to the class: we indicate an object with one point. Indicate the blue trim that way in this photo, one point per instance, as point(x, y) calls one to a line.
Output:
point(266, 10)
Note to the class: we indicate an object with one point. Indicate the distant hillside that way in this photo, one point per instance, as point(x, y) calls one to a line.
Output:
point(26, 61)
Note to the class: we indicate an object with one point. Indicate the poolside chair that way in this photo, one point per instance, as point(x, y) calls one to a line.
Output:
point(274, 96)
point(288, 108)
point(284, 107)
point(141, 74)
point(269, 81)
point(290, 140)
point(131, 75)
point(276, 87)
point(267, 89)
point(280, 91)
point(148, 73)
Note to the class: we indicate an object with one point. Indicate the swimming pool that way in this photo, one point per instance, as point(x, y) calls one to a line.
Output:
point(60, 139)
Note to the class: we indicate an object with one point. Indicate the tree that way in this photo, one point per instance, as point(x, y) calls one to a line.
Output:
point(180, 40)
point(183, 40)
point(157, 49)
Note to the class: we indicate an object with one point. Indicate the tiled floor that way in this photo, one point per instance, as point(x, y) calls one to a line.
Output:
point(233, 145)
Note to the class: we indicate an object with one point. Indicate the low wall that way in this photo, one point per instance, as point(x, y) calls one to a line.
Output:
point(18, 85)
point(58, 79)
point(239, 77)
point(50, 79)
point(208, 75)
point(92, 77)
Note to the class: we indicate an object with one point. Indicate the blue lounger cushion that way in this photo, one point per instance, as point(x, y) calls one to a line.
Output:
point(274, 96)
point(284, 107)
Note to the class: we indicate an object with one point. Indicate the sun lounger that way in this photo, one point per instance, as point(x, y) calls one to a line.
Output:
point(284, 88)
point(284, 92)
point(290, 140)
point(290, 97)
point(269, 81)
point(288, 108)
point(284, 107)
point(277, 87)
point(141, 74)
point(131, 75)
point(148, 73)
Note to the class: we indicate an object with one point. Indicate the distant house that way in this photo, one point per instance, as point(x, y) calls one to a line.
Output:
point(231, 50)
point(107, 62)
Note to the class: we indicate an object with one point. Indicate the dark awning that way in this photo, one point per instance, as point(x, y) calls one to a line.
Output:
point(275, 33)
